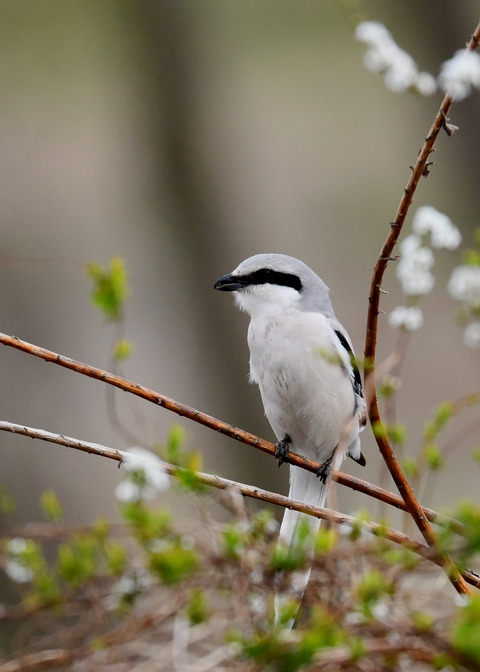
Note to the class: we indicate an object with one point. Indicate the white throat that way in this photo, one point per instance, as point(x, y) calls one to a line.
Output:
point(264, 300)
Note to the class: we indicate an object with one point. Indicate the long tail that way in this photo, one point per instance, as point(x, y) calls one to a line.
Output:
point(306, 487)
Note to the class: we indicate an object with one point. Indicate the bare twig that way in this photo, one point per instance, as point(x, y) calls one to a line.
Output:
point(386, 254)
point(247, 491)
point(43, 660)
point(352, 482)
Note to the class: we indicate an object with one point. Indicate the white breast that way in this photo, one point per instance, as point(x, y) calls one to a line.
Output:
point(306, 392)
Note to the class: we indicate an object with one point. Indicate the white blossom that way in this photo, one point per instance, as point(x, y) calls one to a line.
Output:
point(371, 32)
point(18, 572)
point(426, 84)
point(148, 476)
point(384, 55)
point(460, 74)
point(380, 611)
point(16, 546)
point(443, 233)
point(258, 605)
point(128, 491)
point(409, 318)
point(127, 586)
point(15, 565)
point(355, 618)
point(413, 269)
point(471, 335)
point(464, 285)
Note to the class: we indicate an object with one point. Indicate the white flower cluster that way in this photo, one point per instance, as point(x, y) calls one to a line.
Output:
point(416, 261)
point(471, 335)
point(459, 75)
point(409, 318)
point(127, 588)
point(414, 270)
point(147, 476)
point(15, 566)
point(384, 55)
point(464, 285)
point(414, 267)
point(443, 233)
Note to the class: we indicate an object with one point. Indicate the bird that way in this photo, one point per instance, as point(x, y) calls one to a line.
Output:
point(303, 362)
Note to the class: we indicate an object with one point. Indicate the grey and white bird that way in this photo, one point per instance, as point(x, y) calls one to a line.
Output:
point(302, 360)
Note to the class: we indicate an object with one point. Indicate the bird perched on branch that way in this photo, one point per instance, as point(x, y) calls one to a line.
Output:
point(302, 360)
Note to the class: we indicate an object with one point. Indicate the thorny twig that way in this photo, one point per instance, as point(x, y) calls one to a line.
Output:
point(352, 482)
point(247, 491)
point(408, 495)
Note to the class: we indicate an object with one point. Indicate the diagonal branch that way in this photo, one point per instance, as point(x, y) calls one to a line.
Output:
point(419, 170)
point(352, 482)
point(252, 491)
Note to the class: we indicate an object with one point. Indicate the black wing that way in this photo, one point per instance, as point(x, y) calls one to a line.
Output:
point(357, 381)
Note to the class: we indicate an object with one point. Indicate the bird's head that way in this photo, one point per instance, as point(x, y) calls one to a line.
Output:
point(269, 283)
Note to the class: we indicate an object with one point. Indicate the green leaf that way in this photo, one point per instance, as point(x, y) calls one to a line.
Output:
point(101, 529)
point(472, 258)
point(423, 620)
point(465, 633)
point(476, 454)
point(173, 562)
point(476, 236)
point(235, 540)
point(110, 289)
point(388, 386)
point(51, 506)
point(198, 609)
point(433, 456)
point(380, 430)
point(295, 556)
point(47, 590)
point(115, 556)
point(147, 523)
point(77, 560)
point(371, 587)
point(326, 539)
point(397, 433)
point(410, 466)
point(174, 445)
point(443, 414)
point(7, 502)
point(357, 649)
point(122, 350)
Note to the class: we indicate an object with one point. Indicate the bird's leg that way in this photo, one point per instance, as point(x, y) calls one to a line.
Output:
point(282, 450)
point(324, 470)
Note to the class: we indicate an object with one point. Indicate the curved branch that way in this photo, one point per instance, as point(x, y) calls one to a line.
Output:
point(352, 482)
point(420, 169)
point(251, 491)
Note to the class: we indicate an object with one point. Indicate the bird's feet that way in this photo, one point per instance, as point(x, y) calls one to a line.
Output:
point(324, 470)
point(282, 450)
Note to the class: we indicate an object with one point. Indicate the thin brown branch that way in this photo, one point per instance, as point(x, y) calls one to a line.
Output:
point(43, 660)
point(247, 491)
point(352, 482)
point(419, 170)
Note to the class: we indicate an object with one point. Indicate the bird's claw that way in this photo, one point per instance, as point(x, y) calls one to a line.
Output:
point(282, 450)
point(323, 471)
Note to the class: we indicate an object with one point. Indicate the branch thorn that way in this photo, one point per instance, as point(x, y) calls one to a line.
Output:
point(449, 128)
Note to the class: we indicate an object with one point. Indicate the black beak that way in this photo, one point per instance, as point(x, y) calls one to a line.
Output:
point(229, 283)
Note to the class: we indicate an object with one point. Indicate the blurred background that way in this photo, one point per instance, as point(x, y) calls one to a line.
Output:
point(184, 136)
